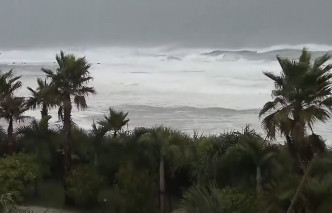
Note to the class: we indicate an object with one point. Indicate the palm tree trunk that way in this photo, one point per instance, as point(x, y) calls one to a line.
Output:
point(302, 166)
point(298, 134)
point(300, 187)
point(295, 154)
point(44, 111)
point(67, 125)
point(162, 186)
point(259, 186)
point(10, 130)
point(96, 151)
point(95, 160)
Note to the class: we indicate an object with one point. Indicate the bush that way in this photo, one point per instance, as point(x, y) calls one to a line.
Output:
point(83, 186)
point(136, 191)
point(211, 199)
point(19, 173)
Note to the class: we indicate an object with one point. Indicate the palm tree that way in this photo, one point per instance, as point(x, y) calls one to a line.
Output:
point(199, 199)
point(3, 135)
point(97, 136)
point(165, 147)
point(69, 83)
point(254, 149)
point(41, 97)
point(301, 185)
point(12, 109)
point(209, 153)
point(9, 83)
point(37, 138)
point(302, 96)
point(311, 192)
point(317, 194)
point(115, 121)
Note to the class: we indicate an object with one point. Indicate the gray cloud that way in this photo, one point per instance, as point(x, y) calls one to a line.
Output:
point(198, 23)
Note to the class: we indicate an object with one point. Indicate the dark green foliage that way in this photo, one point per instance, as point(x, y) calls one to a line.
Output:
point(254, 156)
point(83, 185)
point(167, 148)
point(200, 199)
point(173, 146)
point(231, 159)
point(135, 191)
point(315, 196)
point(40, 141)
point(19, 173)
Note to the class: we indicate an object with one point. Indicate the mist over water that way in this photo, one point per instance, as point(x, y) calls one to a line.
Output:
point(208, 90)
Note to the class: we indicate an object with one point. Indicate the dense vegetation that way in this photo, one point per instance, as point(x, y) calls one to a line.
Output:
point(107, 169)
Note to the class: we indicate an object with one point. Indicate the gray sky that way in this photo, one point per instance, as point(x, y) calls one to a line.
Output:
point(195, 23)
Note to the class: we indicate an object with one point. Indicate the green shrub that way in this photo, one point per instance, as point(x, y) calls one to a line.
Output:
point(211, 199)
point(19, 173)
point(83, 185)
point(136, 191)
point(238, 201)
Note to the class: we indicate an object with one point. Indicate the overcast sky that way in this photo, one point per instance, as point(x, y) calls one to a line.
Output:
point(196, 23)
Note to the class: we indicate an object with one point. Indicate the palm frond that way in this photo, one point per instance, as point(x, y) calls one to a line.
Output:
point(80, 102)
point(317, 143)
point(320, 61)
point(305, 57)
point(278, 80)
point(314, 113)
point(272, 105)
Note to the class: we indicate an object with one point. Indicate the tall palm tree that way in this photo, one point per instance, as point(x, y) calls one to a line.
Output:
point(3, 137)
point(2, 133)
point(12, 109)
point(115, 121)
point(165, 147)
point(41, 97)
point(69, 83)
point(253, 148)
point(302, 96)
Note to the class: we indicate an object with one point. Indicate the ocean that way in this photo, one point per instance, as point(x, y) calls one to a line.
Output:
point(204, 90)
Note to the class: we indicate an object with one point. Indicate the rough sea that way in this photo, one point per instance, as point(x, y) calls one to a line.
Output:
point(205, 90)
